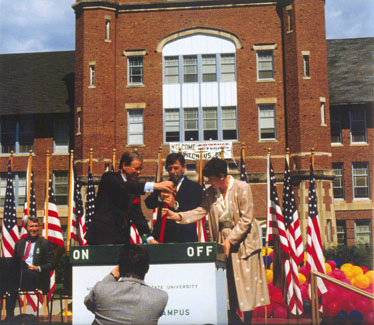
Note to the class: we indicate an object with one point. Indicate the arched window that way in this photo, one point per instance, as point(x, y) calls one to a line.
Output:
point(199, 88)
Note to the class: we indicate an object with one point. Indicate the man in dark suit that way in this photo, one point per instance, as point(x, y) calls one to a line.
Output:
point(117, 204)
point(32, 260)
point(188, 196)
point(122, 297)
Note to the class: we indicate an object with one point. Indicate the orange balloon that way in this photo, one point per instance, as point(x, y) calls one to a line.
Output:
point(328, 268)
point(370, 275)
point(357, 271)
point(348, 274)
point(362, 281)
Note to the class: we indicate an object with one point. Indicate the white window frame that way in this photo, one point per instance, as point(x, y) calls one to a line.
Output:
point(338, 168)
point(61, 148)
point(19, 186)
point(189, 65)
point(130, 123)
point(173, 123)
point(260, 119)
point(366, 175)
point(56, 183)
point(336, 120)
point(306, 64)
point(261, 61)
point(130, 73)
point(107, 28)
point(92, 76)
point(169, 69)
point(227, 67)
point(357, 233)
point(339, 225)
point(322, 101)
point(363, 121)
point(206, 66)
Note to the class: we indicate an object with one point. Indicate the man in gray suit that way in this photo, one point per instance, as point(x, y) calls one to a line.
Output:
point(122, 297)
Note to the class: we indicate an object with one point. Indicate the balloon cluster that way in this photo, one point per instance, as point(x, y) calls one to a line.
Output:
point(338, 303)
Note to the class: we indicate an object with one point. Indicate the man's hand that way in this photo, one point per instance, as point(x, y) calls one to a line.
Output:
point(153, 241)
point(115, 272)
point(168, 198)
point(167, 186)
point(33, 267)
point(226, 247)
point(170, 214)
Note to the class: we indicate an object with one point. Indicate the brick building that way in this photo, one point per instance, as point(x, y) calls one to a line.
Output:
point(148, 74)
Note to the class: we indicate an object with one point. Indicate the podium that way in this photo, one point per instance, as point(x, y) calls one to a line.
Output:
point(193, 275)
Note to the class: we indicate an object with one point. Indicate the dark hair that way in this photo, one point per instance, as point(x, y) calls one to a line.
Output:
point(32, 219)
point(133, 261)
point(215, 167)
point(128, 157)
point(173, 157)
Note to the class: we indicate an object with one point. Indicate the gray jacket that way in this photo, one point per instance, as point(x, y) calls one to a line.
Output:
point(126, 301)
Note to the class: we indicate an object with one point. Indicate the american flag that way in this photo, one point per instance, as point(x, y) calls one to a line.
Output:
point(243, 172)
point(314, 256)
point(275, 223)
point(78, 225)
point(276, 231)
point(292, 224)
point(29, 185)
point(54, 229)
point(135, 237)
point(90, 199)
point(54, 225)
point(10, 233)
point(202, 235)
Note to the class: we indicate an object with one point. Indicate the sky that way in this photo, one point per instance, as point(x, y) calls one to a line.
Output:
point(48, 25)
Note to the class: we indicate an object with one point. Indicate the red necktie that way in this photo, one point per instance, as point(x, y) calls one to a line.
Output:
point(27, 252)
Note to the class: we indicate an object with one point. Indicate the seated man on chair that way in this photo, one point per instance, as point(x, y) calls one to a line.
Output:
point(122, 297)
point(32, 260)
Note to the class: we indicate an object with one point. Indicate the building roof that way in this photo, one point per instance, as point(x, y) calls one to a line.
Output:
point(351, 70)
point(37, 83)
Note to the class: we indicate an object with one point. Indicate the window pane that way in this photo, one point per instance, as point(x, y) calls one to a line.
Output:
point(358, 126)
point(8, 134)
point(361, 179)
point(61, 187)
point(136, 70)
point(338, 180)
point(227, 67)
point(190, 68)
point(61, 135)
point(135, 126)
point(265, 64)
point(26, 135)
point(267, 121)
point(363, 231)
point(209, 68)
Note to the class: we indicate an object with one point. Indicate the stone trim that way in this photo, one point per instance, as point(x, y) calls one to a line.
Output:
point(135, 52)
point(201, 30)
point(135, 105)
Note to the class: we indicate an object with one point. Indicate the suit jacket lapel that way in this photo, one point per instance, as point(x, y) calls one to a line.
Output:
point(37, 249)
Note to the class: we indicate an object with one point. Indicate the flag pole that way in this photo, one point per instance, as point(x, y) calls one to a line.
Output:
point(159, 164)
point(29, 183)
point(312, 155)
point(70, 205)
point(222, 152)
point(267, 221)
point(114, 158)
point(47, 195)
point(200, 222)
point(91, 158)
point(11, 159)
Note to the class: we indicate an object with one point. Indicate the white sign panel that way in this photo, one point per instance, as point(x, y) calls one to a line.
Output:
point(210, 149)
point(197, 292)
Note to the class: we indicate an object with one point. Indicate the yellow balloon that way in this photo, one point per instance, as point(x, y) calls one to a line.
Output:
point(362, 281)
point(370, 275)
point(269, 276)
point(357, 271)
point(271, 266)
point(328, 268)
point(302, 279)
point(348, 274)
point(346, 266)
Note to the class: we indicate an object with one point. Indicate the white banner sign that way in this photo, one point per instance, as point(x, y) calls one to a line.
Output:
point(197, 292)
point(211, 149)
